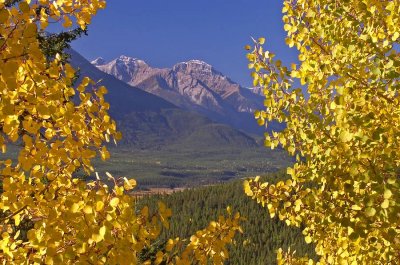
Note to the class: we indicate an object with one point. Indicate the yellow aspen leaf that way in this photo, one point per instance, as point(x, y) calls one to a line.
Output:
point(67, 22)
point(102, 231)
point(287, 27)
point(104, 153)
point(356, 207)
point(345, 136)
point(97, 238)
point(87, 209)
point(170, 244)
point(99, 206)
point(114, 202)
point(395, 36)
point(129, 184)
point(17, 219)
point(75, 207)
point(387, 194)
point(385, 204)
point(159, 257)
point(370, 211)
point(247, 188)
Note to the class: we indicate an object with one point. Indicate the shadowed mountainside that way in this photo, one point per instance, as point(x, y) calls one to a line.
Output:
point(148, 121)
point(193, 85)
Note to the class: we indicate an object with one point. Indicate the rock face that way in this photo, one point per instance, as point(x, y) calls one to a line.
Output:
point(257, 90)
point(98, 61)
point(127, 69)
point(150, 122)
point(193, 85)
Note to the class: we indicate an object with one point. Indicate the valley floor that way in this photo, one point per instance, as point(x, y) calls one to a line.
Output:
point(171, 169)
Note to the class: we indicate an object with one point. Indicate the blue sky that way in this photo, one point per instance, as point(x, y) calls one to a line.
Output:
point(166, 32)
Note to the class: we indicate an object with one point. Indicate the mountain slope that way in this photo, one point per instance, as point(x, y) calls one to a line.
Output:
point(122, 97)
point(148, 121)
point(193, 85)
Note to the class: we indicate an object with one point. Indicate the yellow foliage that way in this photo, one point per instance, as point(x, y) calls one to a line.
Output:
point(343, 126)
point(74, 222)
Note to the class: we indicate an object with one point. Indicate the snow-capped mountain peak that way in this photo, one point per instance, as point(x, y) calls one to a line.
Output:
point(125, 68)
point(193, 66)
point(193, 84)
point(198, 62)
point(98, 61)
point(129, 60)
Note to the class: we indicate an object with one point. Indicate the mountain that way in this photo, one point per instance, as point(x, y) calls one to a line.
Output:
point(148, 121)
point(122, 97)
point(259, 90)
point(193, 85)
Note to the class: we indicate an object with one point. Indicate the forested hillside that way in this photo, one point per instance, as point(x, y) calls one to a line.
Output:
point(192, 209)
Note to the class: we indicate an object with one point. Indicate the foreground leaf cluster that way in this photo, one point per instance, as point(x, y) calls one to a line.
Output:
point(47, 214)
point(343, 126)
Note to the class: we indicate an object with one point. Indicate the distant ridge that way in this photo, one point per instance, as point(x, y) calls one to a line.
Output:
point(193, 85)
point(148, 121)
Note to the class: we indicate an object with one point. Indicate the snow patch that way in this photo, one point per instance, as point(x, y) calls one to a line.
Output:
point(196, 65)
point(98, 61)
point(129, 60)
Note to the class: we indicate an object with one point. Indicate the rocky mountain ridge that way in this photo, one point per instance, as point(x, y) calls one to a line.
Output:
point(150, 122)
point(193, 85)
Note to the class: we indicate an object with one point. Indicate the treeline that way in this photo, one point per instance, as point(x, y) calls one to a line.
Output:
point(194, 208)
